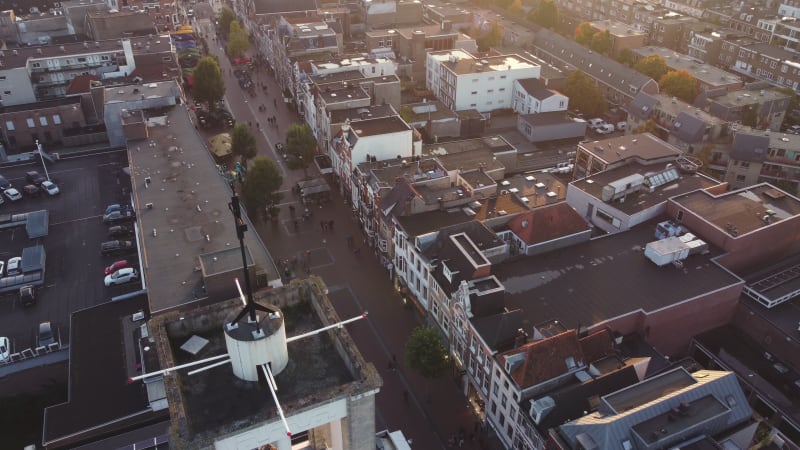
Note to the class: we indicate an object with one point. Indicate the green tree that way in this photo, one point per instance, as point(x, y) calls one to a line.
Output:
point(261, 186)
point(584, 95)
point(601, 42)
point(425, 352)
point(584, 33)
point(515, 9)
point(238, 43)
point(546, 14)
point(625, 57)
point(226, 17)
point(653, 66)
point(679, 83)
point(491, 37)
point(750, 116)
point(243, 143)
point(209, 86)
point(301, 146)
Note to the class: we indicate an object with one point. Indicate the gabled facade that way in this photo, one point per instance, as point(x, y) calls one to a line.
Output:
point(531, 96)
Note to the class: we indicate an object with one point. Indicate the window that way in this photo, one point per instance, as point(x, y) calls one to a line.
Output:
point(744, 165)
point(495, 389)
point(30, 122)
point(504, 400)
point(43, 121)
point(166, 58)
point(81, 60)
point(56, 119)
point(2, 78)
point(7, 92)
point(740, 178)
point(104, 58)
point(494, 408)
point(474, 92)
point(10, 125)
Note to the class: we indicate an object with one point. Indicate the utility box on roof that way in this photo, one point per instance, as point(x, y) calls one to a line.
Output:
point(667, 251)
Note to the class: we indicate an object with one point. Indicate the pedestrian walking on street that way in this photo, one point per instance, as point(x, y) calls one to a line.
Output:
point(330, 227)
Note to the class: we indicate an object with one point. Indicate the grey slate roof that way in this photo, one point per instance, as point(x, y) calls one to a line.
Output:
point(642, 105)
point(749, 147)
point(609, 428)
point(536, 88)
point(691, 128)
point(593, 64)
point(499, 331)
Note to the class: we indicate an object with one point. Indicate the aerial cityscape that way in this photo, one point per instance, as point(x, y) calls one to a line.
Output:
point(397, 224)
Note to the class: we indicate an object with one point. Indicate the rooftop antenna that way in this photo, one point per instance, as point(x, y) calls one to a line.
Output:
point(250, 306)
point(252, 346)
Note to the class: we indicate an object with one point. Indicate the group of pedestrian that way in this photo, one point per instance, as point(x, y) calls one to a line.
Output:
point(326, 225)
point(272, 121)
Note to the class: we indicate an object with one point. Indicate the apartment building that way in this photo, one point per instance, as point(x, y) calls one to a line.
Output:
point(410, 45)
point(759, 156)
point(708, 76)
point(623, 35)
point(462, 81)
point(761, 62)
point(383, 13)
point(758, 101)
point(31, 74)
point(363, 140)
point(706, 46)
point(754, 22)
point(618, 83)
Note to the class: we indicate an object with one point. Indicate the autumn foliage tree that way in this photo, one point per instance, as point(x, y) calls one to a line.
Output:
point(601, 42)
point(680, 84)
point(584, 95)
point(653, 66)
point(584, 33)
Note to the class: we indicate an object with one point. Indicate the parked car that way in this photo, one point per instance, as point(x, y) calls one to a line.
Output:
point(5, 348)
point(35, 177)
point(119, 217)
point(118, 231)
point(2, 268)
point(27, 295)
point(622, 126)
point(32, 190)
point(794, 129)
point(596, 123)
point(117, 247)
point(50, 187)
point(122, 276)
point(606, 128)
point(12, 194)
point(13, 266)
point(4, 183)
point(121, 264)
point(118, 207)
point(46, 335)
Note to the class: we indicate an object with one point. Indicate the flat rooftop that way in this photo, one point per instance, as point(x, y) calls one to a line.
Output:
point(18, 57)
point(704, 73)
point(341, 93)
point(649, 390)
point(355, 63)
point(643, 199)
point(430, 110)
point(103, 352)
point(136, 92)
point(322, 368)
point(378, 126)
point(605, 278)
point(736, 99)
point(617, 28)
point(743, 209)
point(465, 63)
point(643, 146)
point(189, 212)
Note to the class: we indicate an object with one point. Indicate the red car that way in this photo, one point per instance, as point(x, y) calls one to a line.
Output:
point(116, 266)
point(243, 60)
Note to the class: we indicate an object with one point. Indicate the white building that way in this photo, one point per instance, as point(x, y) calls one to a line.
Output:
point(532, 96)
point(382, 138)
point(462, 81)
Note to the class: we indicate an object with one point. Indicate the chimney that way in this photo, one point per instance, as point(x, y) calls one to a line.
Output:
point(447, 25)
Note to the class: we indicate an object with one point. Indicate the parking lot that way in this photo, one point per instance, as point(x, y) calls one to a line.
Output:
point(74, 266)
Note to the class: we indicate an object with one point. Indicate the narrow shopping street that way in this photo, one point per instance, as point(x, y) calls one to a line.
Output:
point(330, 244)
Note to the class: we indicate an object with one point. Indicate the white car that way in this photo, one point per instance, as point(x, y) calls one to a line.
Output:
point(596, 123)
point(5, 348)
point(50, 187)
point(12, 194)
point(121, 276)
point(12, 268)
point(606, 128)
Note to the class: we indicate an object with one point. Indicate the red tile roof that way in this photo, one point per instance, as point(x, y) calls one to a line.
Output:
point(547, 223)
point(596, 346)
point(544, 359)
point(81, 83)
